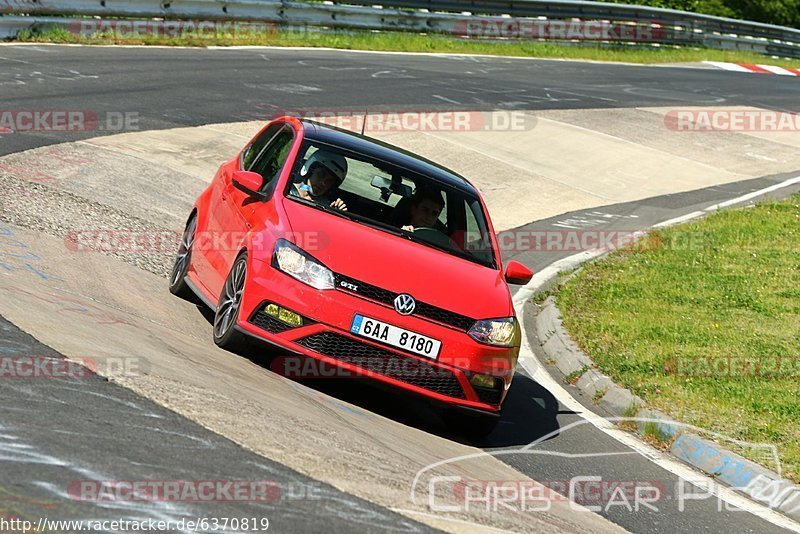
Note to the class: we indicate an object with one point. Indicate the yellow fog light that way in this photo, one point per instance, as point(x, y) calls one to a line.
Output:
point(282, 314)
point(483, 381)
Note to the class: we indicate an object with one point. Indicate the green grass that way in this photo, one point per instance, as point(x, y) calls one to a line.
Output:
point(599, 394)
point(730, 290)
point(574, 376)
point(652, 435)
point(409, 42)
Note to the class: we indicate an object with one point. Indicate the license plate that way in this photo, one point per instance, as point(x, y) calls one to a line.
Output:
point(395, 336)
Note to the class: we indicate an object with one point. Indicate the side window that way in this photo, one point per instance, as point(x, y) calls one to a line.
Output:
point(472, 225)
point(255, 148)
point(272, 158)
point(477, 241)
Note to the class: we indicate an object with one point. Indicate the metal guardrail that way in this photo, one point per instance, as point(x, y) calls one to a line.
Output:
point(559, 20)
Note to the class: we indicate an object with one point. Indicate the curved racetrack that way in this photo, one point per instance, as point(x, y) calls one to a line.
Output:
point(595, 153)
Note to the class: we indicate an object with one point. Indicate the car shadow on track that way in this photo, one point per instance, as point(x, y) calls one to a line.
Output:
point(530, 411)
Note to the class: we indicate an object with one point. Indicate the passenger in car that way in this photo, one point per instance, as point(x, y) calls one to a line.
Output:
point(322, 173)
point(424, 209)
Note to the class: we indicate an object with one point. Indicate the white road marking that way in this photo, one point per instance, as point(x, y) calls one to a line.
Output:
point(16, 450)
point(662, 94)
point(754, 194)
point(394, 74)
point(760, 157)
point(579, 94)
point(539, 374)
point(440, 97)
point(583, 221)
point(682, 218)
point(294, 88)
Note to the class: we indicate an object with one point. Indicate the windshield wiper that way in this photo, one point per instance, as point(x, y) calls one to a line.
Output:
point(323, 207)
point(385, 227)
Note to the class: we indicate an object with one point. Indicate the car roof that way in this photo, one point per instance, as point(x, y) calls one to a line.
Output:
point(391, 154)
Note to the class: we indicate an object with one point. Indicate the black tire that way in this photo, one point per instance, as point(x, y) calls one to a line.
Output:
point(177, 277)
point(227, 312)
point(470, 425)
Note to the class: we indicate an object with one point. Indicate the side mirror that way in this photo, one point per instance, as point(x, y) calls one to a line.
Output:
point(517, 274)
point(248, 182)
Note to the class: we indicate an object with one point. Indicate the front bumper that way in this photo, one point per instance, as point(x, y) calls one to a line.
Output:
point(324, 337)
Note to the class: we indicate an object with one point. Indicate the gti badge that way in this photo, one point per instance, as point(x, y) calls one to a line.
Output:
point(404, 304)
point(348, 285)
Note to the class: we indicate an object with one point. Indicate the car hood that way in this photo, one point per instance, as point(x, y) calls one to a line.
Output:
point(399, 265)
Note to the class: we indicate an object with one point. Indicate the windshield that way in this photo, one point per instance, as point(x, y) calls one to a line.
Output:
point(392, 199)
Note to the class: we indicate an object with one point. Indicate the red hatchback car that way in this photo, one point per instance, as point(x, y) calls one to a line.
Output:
point(357, 256)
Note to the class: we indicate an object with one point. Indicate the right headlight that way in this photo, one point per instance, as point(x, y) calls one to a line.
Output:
point(299, 264)
point(503, 332)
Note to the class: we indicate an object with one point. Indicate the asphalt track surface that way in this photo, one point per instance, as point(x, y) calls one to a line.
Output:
point(186, 87)
point(59, 431)
point(170, 88)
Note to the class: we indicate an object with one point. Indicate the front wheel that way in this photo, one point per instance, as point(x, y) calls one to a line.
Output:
point(225, 334)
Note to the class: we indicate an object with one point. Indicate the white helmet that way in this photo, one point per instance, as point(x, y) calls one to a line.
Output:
point(333, 162)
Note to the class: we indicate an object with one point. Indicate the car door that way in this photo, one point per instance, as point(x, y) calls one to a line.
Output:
point(233, 215)
point(208, 257)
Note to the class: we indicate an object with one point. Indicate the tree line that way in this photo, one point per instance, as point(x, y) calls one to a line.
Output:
point(781, 12)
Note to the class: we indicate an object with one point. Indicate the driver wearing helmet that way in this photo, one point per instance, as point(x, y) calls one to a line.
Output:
point(321, 174)
point(426, 205)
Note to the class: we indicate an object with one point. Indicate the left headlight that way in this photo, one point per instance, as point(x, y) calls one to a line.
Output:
point(502, 332)
point(299, 264)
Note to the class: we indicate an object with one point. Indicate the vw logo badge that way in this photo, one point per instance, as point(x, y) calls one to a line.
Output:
point(404, 304)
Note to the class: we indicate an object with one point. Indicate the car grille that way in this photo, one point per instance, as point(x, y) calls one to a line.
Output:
point(271, 324)
point(374, 359)
point(384, 296)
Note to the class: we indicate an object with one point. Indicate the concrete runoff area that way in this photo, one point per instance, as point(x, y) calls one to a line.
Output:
point(564, 159)
point(147, 181)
